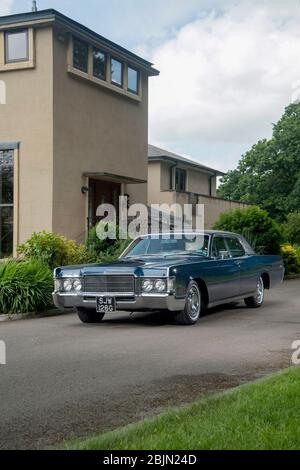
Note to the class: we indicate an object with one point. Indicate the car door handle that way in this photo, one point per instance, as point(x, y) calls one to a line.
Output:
point(238, 263)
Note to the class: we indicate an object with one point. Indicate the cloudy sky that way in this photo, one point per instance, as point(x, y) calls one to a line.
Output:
point(228, 68)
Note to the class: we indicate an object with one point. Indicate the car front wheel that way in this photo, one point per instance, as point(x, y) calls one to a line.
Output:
point(258, 299)
point(191, 313)
point(89, 316)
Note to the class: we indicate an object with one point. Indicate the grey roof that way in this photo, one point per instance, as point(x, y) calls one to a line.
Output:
point(54, 15)
point(156, 153)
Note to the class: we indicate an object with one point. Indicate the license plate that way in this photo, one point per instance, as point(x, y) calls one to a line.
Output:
point(106, 304)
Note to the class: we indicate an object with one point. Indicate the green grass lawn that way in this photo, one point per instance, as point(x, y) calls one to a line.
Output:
point(261, 415)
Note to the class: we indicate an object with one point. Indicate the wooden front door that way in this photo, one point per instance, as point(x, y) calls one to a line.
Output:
point(102, 192)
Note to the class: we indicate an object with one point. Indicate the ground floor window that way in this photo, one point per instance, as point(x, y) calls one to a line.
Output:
point(6, 202)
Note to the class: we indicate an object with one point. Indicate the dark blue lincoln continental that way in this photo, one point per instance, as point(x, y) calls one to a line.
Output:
point(181, 274)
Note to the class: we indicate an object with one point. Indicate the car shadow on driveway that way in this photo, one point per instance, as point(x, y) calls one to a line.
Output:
point(162, 318)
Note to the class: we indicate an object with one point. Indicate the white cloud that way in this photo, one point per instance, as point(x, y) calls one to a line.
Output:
point(227, 76)
point(5, 7)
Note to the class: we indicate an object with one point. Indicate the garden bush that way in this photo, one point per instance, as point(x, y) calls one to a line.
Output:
point(54, 250)
point(292, 228)
point(25, 287)
point(291, 259)
point(255, 225)
point(107, 249)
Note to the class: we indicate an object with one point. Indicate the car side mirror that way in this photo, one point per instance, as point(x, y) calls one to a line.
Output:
point(224, 254)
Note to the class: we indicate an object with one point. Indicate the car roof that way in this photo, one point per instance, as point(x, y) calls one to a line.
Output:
point(204, 232)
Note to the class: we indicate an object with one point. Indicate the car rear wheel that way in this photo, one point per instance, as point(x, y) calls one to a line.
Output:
point(191, 313)
point(258, 299)
point(89, 316)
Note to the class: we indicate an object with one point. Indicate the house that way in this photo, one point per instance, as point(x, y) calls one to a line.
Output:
point(73, 126)
point(173, 179)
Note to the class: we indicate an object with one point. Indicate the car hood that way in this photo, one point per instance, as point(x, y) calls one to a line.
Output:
point(138, 266)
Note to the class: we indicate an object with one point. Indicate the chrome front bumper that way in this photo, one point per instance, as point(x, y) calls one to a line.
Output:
point(141, 302)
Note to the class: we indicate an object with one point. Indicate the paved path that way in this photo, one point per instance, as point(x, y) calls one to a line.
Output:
point(65, 379)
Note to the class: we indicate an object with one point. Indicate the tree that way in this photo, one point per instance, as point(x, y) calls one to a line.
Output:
point(269, 174)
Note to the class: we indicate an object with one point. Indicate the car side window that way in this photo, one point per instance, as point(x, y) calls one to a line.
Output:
point(235, 248)
point(218, 247)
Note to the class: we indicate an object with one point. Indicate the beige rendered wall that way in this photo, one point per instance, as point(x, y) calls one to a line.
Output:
point(198, 182)
point(214, 207)
point(154, 183)
point(27, 117)
point(165, 177)
point(95, 130)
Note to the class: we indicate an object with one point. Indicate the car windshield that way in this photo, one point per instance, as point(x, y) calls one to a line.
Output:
point(150, 246)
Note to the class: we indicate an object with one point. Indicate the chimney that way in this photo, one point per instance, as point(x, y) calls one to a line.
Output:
point(34, 6)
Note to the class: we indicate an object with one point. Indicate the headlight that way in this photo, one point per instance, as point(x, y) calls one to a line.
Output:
point(147, 286)
point(68, 285)
point(155, 285)
point(160, 285)
point(77, 285)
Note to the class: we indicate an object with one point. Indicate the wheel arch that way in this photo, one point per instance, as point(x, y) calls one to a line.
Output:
point(266, 280)
point(203, 290)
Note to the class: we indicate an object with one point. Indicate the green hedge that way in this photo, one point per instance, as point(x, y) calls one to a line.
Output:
point(54, 250)
point(105, 250)
point(262, 232)
point(25, 287)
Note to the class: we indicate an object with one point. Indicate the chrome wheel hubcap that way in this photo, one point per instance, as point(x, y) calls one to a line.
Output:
point(260, 291)
point(193, 302)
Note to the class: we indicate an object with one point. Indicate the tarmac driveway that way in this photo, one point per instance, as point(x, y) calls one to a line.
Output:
point(65, 379)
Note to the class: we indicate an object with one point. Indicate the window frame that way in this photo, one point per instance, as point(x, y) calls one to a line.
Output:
point(112, 58)
point(81, 69)
point(137, 91)
point(94, 48)
point(218, 236)
point(227, 237)
point(9, 205)
point(7, 33)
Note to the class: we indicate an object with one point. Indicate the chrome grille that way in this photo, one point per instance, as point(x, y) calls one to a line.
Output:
point(109, 284)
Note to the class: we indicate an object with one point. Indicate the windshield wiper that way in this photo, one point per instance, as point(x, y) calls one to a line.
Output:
point(187, 253)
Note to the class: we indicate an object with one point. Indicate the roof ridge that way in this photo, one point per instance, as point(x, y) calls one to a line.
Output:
point(43, 14)
point(163, 153)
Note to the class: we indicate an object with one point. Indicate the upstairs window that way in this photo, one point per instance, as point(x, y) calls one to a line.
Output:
point(133, 80)
point(180, 179)
point(16, 46)
point(99, 64)
point(116, 72)
point(80, 55)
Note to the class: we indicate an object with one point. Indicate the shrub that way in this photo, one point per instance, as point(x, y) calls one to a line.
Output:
point(256, 225)
point(25, 287)
point(291, 259)
point(292, 228)
point(54, 250)
point(105, 250)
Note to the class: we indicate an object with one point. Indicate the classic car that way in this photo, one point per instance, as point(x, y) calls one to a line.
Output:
point(184, 274)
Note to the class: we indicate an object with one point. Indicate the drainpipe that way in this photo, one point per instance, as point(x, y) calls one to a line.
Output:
point(173, 180)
